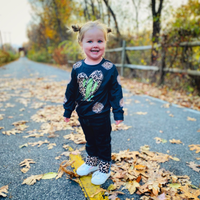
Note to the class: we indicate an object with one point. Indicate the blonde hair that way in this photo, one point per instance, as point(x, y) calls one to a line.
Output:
point(89, 25)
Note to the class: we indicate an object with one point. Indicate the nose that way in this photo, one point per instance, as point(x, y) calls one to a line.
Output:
point(95, 44)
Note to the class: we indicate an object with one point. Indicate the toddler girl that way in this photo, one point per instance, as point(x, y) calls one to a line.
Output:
point(93, 89)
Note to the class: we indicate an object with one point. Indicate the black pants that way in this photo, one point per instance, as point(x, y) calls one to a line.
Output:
point(97, 134)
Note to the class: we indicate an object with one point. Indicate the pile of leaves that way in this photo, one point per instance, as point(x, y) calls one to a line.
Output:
point(140, 172)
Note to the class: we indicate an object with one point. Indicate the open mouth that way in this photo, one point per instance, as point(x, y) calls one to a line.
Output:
point(95, 51)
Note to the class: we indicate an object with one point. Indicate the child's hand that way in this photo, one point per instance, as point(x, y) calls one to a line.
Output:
point(66, 119)
point(118, 121)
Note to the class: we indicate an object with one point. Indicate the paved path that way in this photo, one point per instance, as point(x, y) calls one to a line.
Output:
point(156, 123)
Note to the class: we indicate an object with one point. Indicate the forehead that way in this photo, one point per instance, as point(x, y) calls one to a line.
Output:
point(94, 33)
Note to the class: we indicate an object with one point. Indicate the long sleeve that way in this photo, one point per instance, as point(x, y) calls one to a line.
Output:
point(116, 97)
point(70, 95)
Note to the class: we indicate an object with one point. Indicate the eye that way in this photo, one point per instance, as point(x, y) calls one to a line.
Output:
point(90, 41)
point(100, 41)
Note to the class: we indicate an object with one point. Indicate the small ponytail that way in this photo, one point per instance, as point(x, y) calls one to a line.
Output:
point(76, 28)
point(109, 30)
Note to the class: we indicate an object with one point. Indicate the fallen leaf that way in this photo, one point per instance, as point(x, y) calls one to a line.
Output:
point(1, 127)
point(39, 143)
point(112, 187)
point(140, 167)
point(26, 163)
point(25, 169)
point(145, 148)
point(9, 105)
point(173, 141)
point(63, 169)
point(136, 101)
point(167, 105)
point(77, 138)
point(58, 157)
point(141, 113)
point(131, 186)
point(66, 146)
point(51, 145)
point(195, 147)
point(19, 123)
point(120, 126)
point(23, 145)
point(3, 190)
point(13, 132)
point(191, 119)
point(32, 179)
point(97, 192)
point(49, 175)
point(175, 158)
point(1, 116)
point(36, 135)
point(66, 153)
point(189, 193)
point(162, 196)
point(175, 185)
point(194, 166)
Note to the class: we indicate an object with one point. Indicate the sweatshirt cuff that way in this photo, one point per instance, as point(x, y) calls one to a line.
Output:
point(67, 114)
point(118, 116)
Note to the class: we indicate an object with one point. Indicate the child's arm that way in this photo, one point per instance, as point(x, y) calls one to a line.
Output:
point(116, 97)
point(70, 95)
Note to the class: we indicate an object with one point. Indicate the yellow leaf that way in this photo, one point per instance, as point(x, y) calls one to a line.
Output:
point(111, 187)
point(175, 158)
point(49, 175)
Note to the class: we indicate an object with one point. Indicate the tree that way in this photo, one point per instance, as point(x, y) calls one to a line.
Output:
point(110, 10)
point(156, 28)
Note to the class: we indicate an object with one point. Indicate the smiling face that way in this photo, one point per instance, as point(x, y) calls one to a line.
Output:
point(93, 44)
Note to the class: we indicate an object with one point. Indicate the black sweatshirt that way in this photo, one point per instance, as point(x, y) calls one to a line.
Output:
point(93, 90)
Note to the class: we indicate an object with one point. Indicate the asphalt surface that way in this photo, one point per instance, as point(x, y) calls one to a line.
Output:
point(156, 123)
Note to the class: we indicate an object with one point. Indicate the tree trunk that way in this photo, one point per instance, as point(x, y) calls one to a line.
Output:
point(156, 29)
point(114, 17)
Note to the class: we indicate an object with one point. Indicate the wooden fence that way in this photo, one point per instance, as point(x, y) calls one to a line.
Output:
point(162, 68)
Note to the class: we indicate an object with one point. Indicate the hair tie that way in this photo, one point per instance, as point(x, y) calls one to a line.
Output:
point(109, 30)
point(76, 28)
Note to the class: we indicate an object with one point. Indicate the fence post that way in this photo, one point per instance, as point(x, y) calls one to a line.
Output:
point(123, 56)
point(162, 65)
